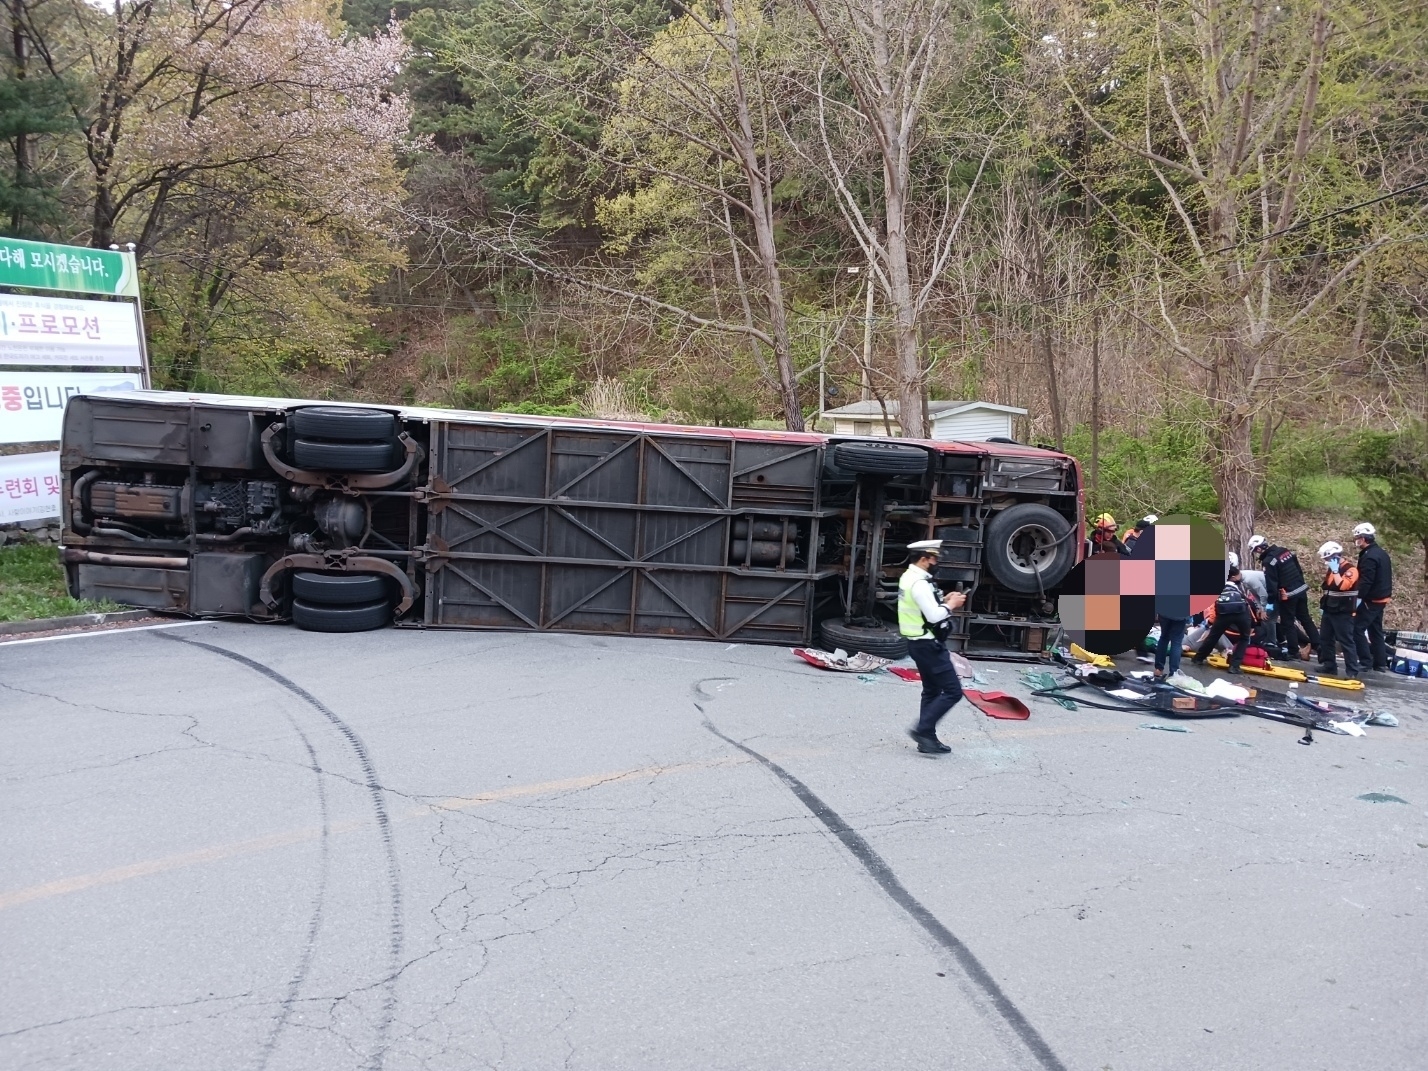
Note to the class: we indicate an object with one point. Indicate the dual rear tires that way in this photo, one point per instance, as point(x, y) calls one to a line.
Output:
point(341, 602)
point(342, 439)
point(337, 438)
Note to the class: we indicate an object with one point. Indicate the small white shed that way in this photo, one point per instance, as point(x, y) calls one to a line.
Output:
point(963, 421)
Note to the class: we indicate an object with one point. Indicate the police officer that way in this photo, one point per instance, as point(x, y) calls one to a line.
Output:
point(1285, 587)
point(917, 608)
point(1375, 589)
point(1341, 593)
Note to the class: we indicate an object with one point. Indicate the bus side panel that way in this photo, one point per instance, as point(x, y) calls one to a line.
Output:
point(617, 530)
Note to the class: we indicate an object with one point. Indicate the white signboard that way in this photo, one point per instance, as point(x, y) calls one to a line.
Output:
point(29, 487)
point(32, 403)
point(65, 331)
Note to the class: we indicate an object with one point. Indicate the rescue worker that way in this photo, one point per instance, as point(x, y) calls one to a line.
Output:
point(1133, 533)
point(1232, 614)
point(1265, 633)
point(1104, 539)
point(1375, 589)
point(918, 608)
point(1341, 593)
point(1286, 588)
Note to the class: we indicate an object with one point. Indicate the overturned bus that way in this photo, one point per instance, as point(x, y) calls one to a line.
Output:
point(349, 517)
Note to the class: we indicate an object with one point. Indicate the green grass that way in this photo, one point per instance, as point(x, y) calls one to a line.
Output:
point(32, 585)
point(1330, 492)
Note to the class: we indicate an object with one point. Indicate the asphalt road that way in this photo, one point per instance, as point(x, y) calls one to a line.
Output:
point(231, 846)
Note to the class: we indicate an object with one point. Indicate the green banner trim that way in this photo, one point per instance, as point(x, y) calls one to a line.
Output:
point(73, 268)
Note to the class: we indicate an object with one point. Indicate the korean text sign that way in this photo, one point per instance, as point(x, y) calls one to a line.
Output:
point(44, 266)
point(29, 487)
point(65, 331)
point(32, 403)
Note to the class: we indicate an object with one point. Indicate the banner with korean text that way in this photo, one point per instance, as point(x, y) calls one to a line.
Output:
point(29, 487)
point(32, 403)
point(65, 331)
point(45, 266)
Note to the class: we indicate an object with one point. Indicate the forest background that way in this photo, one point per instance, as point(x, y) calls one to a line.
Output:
point(1188, 238)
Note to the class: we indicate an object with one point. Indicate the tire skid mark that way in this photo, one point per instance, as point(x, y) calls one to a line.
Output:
point(299, 977)
point(384, 830)
point(887, 880)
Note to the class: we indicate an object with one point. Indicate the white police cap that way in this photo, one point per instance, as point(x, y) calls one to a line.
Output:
point(925, 546)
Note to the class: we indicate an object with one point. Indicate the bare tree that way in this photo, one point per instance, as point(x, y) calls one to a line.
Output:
point(886, 61)
point(692, 132)
point(1225, 107)
point(704, 85)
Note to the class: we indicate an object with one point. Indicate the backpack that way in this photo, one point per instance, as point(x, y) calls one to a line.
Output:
point(1231, 601)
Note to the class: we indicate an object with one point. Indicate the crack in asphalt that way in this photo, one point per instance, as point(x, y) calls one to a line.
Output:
point(188, 730)
point(87, 1016)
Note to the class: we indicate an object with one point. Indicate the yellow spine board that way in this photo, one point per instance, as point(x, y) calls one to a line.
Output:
point(1219, 661)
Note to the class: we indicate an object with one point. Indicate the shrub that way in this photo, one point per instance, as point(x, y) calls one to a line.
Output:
point(1166, 470)
point(716, 404)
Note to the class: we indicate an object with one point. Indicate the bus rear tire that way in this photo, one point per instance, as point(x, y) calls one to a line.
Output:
point(359, 617)
point(880, 640)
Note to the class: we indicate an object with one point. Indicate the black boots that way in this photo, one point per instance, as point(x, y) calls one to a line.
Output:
point(928, 744)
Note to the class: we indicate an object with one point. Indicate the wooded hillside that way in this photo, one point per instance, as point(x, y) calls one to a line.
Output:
point(1188, 238)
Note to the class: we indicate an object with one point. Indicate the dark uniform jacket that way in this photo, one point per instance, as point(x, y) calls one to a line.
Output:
point(1283, 578)
point(1375, 574)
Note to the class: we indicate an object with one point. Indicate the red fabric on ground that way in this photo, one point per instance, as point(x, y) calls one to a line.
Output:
point(999, 705)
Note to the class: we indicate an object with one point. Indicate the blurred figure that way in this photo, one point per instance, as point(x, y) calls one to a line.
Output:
point(1170, 647)
point(1133, 533)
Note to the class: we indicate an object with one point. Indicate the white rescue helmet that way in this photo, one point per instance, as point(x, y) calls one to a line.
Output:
point(1329, 550)
point(1233, 560)
point(1366, 530)
point(1255, 542)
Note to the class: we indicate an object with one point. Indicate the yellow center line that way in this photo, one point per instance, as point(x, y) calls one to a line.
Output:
point(570, 784)
point(114, 875)
point(288, 838)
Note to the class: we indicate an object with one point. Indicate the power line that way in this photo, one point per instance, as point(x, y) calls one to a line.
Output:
point(1327, 215)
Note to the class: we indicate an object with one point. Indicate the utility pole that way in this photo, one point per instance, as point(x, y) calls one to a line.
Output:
point(1096, 402)
point(866, 394)
point(822, 366)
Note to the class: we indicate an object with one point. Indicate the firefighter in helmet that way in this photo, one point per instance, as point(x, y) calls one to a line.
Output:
point(1103, 539)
